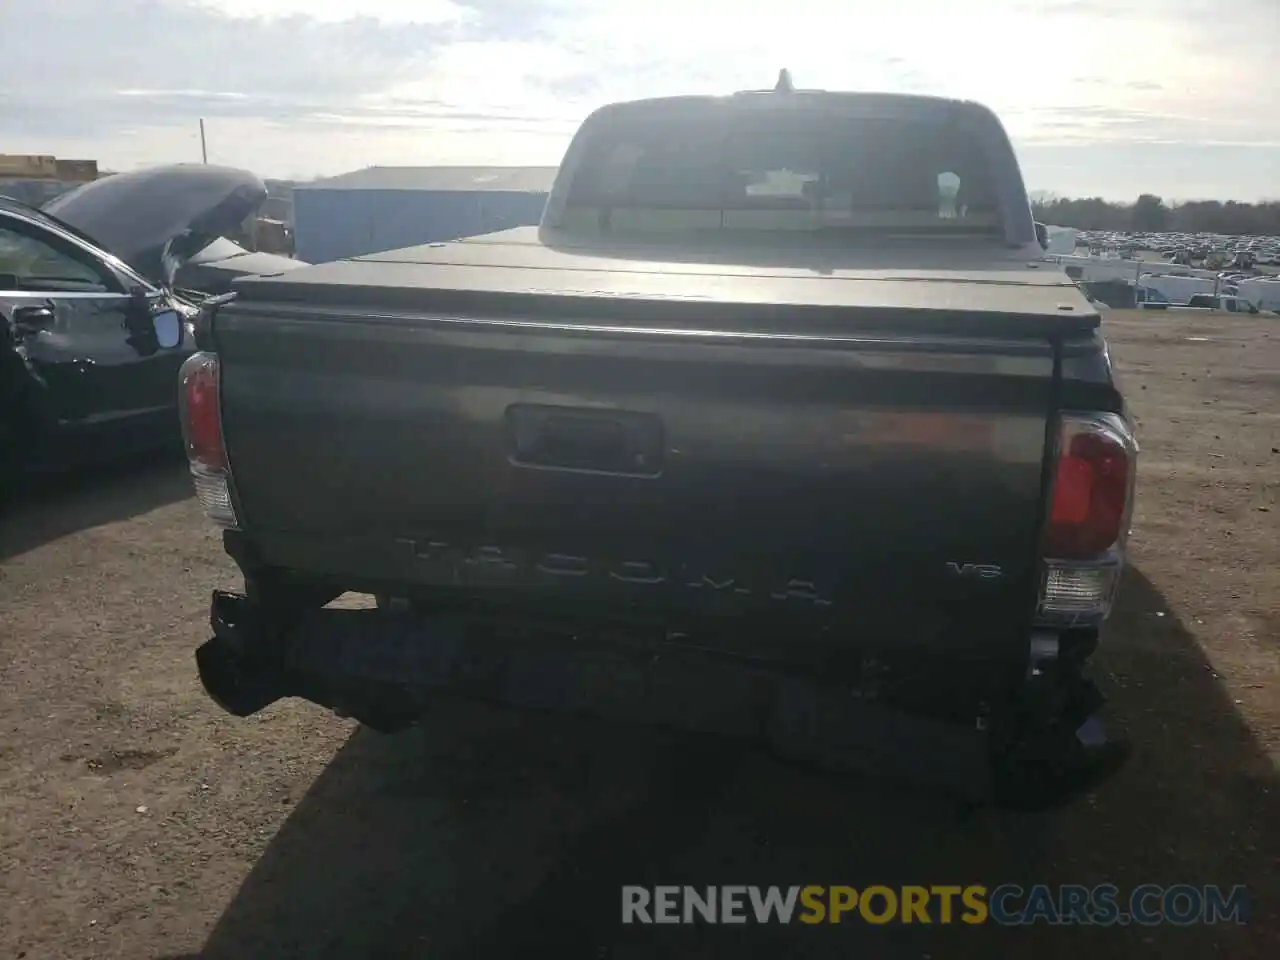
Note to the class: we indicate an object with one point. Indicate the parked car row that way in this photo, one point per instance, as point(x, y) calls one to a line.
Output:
point(1245, 252)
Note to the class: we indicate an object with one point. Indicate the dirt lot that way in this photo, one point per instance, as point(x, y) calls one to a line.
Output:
point(139, 822)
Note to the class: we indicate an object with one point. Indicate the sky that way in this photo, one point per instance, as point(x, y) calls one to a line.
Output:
point(1104, 98)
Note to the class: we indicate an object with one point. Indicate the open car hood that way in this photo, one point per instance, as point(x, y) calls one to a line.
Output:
point(214, 269)
point(155, 219)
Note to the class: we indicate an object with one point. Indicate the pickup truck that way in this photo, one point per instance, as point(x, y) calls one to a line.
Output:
point(777, 425)
point(1229, 304)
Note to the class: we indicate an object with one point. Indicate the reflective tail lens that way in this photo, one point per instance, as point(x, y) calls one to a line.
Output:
point(1078, 593)
point(1092, 486)
point(1090, 505)
point(201, 411)
point(200, 405)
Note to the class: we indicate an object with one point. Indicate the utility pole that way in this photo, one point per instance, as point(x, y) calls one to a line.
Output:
point(204, 148)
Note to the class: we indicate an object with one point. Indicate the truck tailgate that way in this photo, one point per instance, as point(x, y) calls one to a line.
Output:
point(806, 491)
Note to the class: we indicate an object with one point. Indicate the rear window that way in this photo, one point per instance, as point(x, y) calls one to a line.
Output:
point(784, 169)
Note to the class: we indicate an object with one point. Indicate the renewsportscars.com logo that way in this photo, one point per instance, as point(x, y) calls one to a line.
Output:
point(1006, 904)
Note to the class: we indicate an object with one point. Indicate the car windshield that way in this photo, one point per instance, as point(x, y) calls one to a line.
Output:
point(784, 171)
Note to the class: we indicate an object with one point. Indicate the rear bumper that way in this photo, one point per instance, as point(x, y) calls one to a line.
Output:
point(1043, 742)
point(347, 660)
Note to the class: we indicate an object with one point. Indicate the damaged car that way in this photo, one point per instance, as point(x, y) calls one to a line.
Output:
point(182, 211)
point(97, 291)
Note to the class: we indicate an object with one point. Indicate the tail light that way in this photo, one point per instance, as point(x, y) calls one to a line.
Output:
point(1092, 486)
point(1091, 501)
point(200, 406)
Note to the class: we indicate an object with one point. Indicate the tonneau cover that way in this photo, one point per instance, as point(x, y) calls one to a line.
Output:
point(506, 267)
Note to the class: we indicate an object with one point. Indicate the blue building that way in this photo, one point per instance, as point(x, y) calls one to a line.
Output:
point(384, 208)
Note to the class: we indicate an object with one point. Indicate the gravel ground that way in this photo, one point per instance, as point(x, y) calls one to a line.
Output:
point(140, 822)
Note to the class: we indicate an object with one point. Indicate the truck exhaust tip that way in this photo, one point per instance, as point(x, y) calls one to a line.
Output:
point(236, 685)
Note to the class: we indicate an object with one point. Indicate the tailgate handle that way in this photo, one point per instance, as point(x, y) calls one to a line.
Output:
point(600, 441)
point(580, 438)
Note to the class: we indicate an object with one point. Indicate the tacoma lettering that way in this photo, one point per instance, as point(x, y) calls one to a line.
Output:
point(496, 564)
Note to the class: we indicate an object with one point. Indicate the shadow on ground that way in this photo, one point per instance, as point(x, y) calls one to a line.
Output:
point(48, 507)
point(493, 833)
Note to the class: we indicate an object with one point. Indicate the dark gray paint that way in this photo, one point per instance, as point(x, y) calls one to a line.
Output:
point(520, 269)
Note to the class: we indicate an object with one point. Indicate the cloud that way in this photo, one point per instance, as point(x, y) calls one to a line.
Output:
point(1146, 85)
point(320, 85)
point(195, 59)
point(1104, 125)
point(1075, 8)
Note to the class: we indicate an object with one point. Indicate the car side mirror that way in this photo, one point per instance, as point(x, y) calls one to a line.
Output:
point(168, 329)
point(1042, 235)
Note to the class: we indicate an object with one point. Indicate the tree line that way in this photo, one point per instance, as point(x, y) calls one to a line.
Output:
point(1150, 214)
